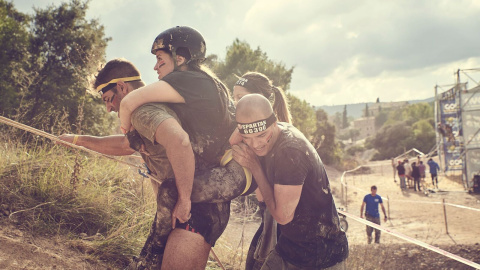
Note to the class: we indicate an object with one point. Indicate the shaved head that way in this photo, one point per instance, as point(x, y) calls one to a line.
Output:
point(252, 108)
point(257, 123)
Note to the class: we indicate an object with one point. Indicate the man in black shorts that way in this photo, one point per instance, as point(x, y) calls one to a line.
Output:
point(295, 188)
point(158, 131)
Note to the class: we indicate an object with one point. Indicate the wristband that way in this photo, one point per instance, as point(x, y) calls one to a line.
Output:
point(75, 139)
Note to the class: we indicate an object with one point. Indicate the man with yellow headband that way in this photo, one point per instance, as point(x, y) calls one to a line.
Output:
point(294, 186)
point(159, 138)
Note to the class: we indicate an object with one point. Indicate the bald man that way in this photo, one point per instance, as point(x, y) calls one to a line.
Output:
point(294, 185)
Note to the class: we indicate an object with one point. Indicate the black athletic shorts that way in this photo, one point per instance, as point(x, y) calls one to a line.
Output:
point(208, 219)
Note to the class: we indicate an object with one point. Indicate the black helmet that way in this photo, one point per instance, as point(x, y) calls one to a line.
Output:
point(181, 37)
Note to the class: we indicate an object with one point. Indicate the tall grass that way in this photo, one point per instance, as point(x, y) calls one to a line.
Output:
point(104, 208)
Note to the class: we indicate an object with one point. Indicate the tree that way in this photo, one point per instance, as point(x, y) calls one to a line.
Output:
point(337, 120)
point(424, 133)
point(14, 41)
point(241, 58)
point(418, 111)
point(392, 140)
point(324, 139)
point(381, 118)
point(353, 134)
point(402, 129)
point(411, 113)
point(65, 50)
point(303, 115)
point(344, 117)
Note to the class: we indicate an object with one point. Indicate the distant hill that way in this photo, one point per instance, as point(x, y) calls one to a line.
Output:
point(355, 110)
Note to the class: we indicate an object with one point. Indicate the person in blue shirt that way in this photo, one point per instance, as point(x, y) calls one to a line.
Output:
point(371, 213)
point(433, 171)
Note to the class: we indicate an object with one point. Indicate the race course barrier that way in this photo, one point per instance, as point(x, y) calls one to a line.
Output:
point(412, 240)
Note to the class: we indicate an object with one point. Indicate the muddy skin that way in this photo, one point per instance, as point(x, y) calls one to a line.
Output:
point(220, 184)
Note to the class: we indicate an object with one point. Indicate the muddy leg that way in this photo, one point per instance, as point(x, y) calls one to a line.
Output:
point(220, 184)
point(152, 253)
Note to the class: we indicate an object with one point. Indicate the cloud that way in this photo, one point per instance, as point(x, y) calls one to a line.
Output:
point(346, 84)
point(343, 51)
point(395, 34)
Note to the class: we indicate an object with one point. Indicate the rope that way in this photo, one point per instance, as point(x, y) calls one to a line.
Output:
point(217, 259)
point(450, 204)
point(56, 139)
point(412, 240)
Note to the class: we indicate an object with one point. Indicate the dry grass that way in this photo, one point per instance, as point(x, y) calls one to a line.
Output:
point(104, 208)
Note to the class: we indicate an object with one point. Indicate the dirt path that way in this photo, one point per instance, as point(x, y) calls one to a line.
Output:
point(18, 250)
point(413, 213)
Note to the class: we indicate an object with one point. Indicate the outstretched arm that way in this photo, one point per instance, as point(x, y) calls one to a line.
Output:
point(281, 200)
point(156, 92)
point(180, 154)
point(116, 145)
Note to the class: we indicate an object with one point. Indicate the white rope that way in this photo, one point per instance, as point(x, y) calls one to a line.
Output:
point(450, 204)
point(412, 240)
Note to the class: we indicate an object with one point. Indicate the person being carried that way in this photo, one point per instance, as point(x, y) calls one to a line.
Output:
point(372, 201)
point(294, 186)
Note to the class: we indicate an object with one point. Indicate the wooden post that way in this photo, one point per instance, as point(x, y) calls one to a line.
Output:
point(388, 207)
point(445, 215)
point(346, 197)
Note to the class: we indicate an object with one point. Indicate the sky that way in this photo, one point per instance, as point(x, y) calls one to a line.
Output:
point(343, 52)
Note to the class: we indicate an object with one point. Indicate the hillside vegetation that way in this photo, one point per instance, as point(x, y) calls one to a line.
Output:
point(103, 208)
